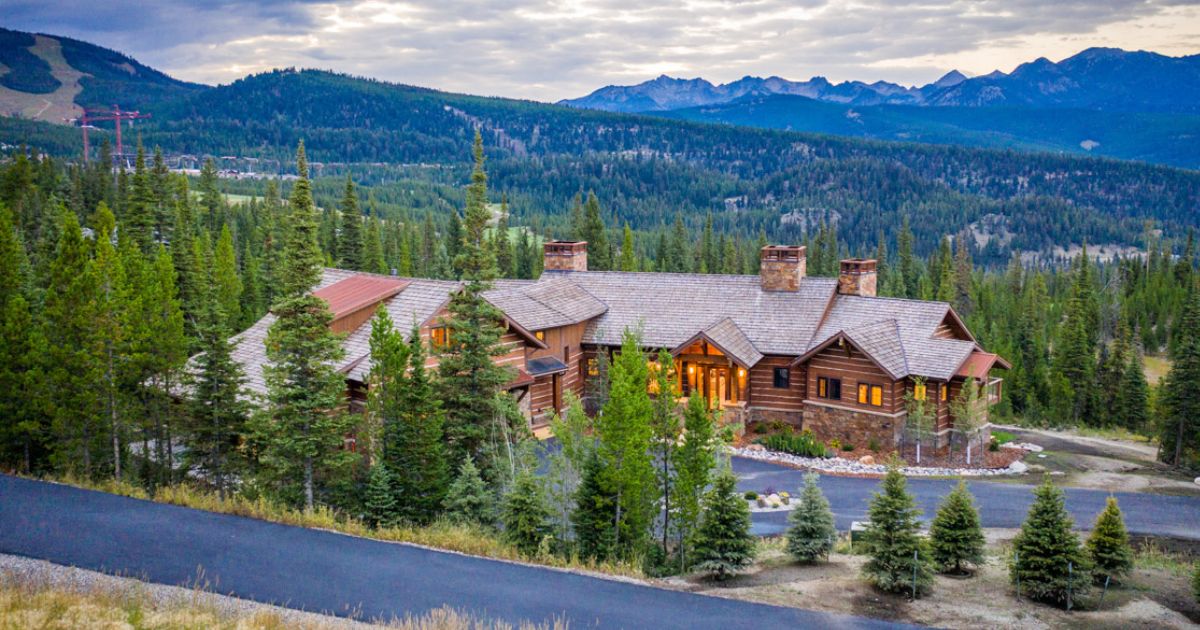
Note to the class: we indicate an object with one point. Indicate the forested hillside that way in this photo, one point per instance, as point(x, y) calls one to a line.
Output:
point(647, 170)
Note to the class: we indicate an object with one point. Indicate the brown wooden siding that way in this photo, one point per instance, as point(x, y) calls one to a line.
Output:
point(763, 392)
point(853, 367)
point(350, 322)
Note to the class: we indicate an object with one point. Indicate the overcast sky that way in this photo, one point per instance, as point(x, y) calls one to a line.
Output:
point(552, 49)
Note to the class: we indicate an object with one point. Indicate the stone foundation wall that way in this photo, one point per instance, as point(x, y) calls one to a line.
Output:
point(852, 427)
point(794, 418)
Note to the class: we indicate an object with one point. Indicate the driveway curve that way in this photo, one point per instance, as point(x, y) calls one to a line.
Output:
point(1003, 505)
point(327, 572)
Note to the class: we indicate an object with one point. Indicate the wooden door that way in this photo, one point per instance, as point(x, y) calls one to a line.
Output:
point(557, 384)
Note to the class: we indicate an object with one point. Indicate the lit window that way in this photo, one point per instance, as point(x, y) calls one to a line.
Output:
point(919, 391)
point(541, 335)
point(943, 391)
point(593, 367)
point(870, 394)
point(830, 388)
point(440, 336)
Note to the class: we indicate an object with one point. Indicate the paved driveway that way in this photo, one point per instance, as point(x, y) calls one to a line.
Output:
point(327, 572)
point(1000, 504)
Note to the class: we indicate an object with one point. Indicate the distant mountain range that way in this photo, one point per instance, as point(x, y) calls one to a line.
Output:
point(1102, 101)
point(1107, 79)
point(646, 169)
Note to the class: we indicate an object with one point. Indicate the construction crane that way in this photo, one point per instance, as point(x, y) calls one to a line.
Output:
point(90, 116)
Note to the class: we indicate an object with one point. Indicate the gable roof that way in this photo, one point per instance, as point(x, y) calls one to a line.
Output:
point(357, 292)
point(729, 339)
point(417, 301)
point(897, 333)
point(546, 304)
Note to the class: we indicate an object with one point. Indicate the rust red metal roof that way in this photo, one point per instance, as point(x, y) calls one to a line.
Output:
point(979, 363)
point(358, 292)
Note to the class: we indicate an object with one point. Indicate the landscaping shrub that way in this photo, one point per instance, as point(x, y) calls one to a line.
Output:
point(468, 500)
point(892, 540)
point(800, 444)
point(724, 544)
point(750, 495)
point(1045, 547)
point(525, 515)
point(955, 535)
point(811, 531)
point(1196, 583)
point(873, 445)
point(847, 447)
point(1108, 546)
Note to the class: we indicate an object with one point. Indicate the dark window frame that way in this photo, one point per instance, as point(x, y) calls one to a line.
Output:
point(829, 388)
point(782, 375)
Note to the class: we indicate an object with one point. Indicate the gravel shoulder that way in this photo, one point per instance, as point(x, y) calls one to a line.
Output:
point(28, 571)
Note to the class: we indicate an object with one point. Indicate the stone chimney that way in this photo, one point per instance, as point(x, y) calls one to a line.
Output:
point(782, 267)
point(858, 277)
point(564, 256)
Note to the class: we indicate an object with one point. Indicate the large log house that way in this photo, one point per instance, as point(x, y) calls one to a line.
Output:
point(824, 354)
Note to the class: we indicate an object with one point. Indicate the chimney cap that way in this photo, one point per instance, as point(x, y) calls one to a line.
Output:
point(858, 265)
point(783, 252)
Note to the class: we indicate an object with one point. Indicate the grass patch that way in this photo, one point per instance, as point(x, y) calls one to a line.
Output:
point(469, 539)
point(1155, 368)
point(1151, 556)
point(1003, 437)
point(1112, 433)
point(40, 603)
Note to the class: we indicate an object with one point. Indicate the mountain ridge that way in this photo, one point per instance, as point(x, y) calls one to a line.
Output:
point(1108, 79)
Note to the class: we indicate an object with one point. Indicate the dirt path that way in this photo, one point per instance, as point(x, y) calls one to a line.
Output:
point(1071, 443)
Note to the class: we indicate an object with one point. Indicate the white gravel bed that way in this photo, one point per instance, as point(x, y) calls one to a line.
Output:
point(30, 571)
point(838, 465)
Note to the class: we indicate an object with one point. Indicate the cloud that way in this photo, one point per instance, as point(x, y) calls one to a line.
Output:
point(551, 49)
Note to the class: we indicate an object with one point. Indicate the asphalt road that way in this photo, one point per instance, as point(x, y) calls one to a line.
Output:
point(327, 572)
point(1000, 504)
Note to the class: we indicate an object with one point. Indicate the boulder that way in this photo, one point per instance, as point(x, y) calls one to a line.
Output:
point(755, 447)
point(867, 460)
point(1198, 481)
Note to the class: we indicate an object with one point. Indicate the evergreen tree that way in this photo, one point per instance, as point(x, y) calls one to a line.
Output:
point(909, 273)
point(468, 499)
point(109, 321)
point(373, 248)
point(303, 427)
point(811, 531)
point(955, 535)
point(595, 530)
point(666, 430)
point(624, 436)
point(897, 551)
point(724, 545)
point(1179, 424)
point(218, 405)
point(1108, 546)
point(565, 464)
point(694, 463)
point(628, 258)
point(596, 235)
point(470, 383)
point(525, 514)
point(350, 240)
point(402, 397)
point(22, 421)
point(140, 217)
point(1132, 404)
point(211, 202)
point(1048, 560)
point(227, 285)
point(504, 253)
point(74, 359)
point(379, 501)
